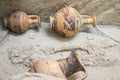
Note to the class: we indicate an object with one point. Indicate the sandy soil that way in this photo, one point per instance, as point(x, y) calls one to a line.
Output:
point(100, 52)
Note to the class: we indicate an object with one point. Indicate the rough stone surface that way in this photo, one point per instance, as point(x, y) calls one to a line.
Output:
point(107, 11)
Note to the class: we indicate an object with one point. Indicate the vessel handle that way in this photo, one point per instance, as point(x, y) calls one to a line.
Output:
point(84, 75)
point(82, 68)
point(34, 19)
point(85, 16)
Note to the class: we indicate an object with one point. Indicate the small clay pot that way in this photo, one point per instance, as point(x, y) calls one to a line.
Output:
point(67, 21)
point(62, 68)
point(19, 21)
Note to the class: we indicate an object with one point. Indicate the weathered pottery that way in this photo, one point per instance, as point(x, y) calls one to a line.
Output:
point(67, 21)
point(63, 68)
point(19, 21)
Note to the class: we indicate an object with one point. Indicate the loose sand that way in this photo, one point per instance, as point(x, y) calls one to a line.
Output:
point(100, 53)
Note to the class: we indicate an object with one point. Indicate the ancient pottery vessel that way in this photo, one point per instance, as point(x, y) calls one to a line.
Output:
point(67, 21)
point(64, 68)
point(19, 21)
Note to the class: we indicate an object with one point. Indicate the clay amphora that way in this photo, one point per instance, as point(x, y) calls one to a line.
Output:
point(67, 21)
point(63, 68)
point(19, 21)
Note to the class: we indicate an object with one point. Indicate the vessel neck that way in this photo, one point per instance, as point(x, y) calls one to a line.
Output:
point(89, 20)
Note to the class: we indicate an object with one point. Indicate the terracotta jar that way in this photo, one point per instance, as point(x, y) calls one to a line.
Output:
point(63, 68)
point(67, 21)
point(19, 21)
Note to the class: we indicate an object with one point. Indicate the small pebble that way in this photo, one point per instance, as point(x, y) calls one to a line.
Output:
point(90, 37)
point(32, 36)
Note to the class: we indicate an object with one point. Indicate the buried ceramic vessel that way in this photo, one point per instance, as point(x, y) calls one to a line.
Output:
point(67, 21)
point(63, 68)
point(19, 21)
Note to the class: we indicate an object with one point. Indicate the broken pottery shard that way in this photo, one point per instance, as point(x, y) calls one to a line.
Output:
point(67, 21)
point(62, 68)
point(19, 21)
